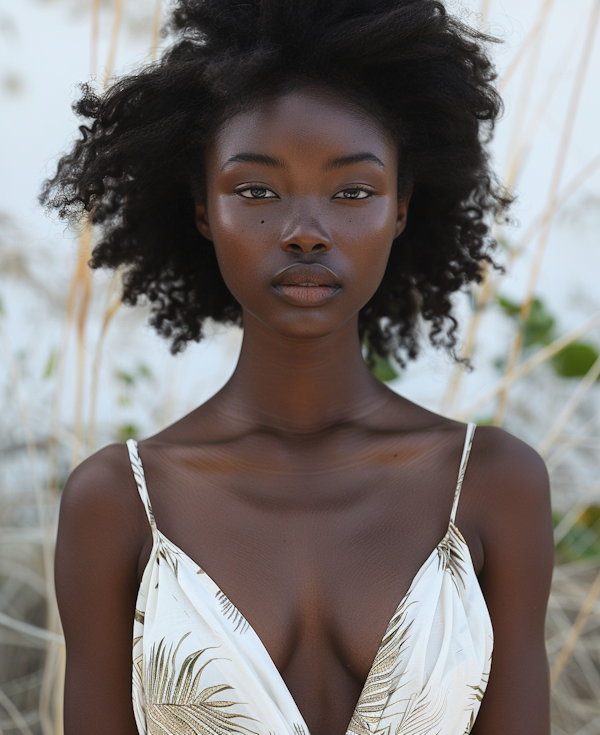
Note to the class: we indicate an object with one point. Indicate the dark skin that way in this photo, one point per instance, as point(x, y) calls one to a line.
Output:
point(309, 491)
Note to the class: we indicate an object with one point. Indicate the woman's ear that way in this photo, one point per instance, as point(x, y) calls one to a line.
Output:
point(403, 212)
point(202, 221)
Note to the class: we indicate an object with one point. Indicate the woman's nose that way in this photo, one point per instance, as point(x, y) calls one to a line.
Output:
point(306, 234)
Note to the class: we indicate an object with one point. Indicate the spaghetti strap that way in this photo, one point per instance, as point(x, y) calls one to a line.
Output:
point(140, 481)
point(463, 467)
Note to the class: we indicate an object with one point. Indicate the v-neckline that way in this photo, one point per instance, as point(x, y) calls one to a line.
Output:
point(204, 577)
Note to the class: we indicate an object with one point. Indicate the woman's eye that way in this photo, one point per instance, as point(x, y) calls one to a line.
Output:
point(257, 192)
point(353, 193)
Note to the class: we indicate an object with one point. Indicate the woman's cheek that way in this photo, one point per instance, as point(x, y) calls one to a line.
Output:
point(366, 250)
point(243, 261)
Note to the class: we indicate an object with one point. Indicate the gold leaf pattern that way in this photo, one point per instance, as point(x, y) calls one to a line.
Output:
point(476, 699)
point(170, 555)
point(424, 713)
point(450, 556)
point(175, 702)
point(231, 612)
point(381, 682)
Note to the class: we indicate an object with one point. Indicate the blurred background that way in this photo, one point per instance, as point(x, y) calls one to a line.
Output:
point(78, 370)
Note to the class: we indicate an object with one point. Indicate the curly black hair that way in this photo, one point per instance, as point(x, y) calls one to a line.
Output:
point(422, 72)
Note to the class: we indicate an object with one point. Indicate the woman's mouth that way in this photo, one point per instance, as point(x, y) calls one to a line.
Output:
point(306, 285)
point(306, 293)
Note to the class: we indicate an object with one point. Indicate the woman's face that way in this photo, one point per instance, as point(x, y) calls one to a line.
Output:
point(302, 209)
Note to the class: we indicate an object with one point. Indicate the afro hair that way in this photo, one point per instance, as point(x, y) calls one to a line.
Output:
point(137, 167)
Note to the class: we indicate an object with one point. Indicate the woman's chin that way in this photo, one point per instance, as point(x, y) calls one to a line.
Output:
point(309, 324)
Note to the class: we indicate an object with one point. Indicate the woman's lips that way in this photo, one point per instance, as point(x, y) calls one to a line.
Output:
point(305, 294)
point(304, 284)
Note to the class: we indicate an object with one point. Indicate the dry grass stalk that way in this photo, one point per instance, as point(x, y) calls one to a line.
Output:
point(576, 694)
point(573, 441)
point(484, 10)
point(528, 365)
point(490, 286)
point(569, 409)
point(482, 295)
point(114, 38)
point(155, 29)
point(575, 632)
point(31, 631)
point(83, 279)
point(573, 515)
point(48, 531)
point(78, 303)
point(514, 164)
point(113, 303)
point(552, 201)
point(15, 714)
point(523, 145)
point(529, 39)
point(95, 35)
point(545, 218)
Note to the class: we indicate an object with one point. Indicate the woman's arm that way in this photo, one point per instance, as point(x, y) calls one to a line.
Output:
point(513, 507)
point(102, 529)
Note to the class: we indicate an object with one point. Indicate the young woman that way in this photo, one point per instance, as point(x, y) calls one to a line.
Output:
point(307, 551)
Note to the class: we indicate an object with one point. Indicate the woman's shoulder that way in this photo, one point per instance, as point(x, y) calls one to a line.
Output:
point(496, 453)
point(508, 492)
point(101, 491)
point(508, 466)
point(499, 464)
point(505, 476)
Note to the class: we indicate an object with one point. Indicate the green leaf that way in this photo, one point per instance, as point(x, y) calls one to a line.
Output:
point(144, 371)
point(383, 369)
point(583, 540)
point(127, 431)
point(50, 365)
point(575, 360)
point(539, 325)
point(504, 244)
point(124, 377)
point(510, 308)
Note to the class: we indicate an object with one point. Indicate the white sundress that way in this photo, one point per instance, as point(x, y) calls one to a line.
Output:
point(199, 668)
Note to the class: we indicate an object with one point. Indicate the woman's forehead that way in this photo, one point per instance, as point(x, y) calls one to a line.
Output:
point(309, 121)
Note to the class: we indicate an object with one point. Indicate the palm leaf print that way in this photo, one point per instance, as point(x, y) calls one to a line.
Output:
point(170, 554)
point(381, 682)
point(450, 555)
point(139, 705)
point(476, 699)
point(423, 716)
point(231, 612)
point(175, 703)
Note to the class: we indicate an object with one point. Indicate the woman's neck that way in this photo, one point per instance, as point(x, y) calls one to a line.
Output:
point(301, 385)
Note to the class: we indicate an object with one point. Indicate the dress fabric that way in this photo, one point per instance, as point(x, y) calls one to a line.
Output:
point(199, 668)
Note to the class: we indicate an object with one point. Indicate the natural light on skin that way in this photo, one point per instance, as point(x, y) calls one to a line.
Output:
point(303, 180)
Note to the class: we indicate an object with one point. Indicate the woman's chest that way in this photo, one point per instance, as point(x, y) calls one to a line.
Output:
point(317, 559)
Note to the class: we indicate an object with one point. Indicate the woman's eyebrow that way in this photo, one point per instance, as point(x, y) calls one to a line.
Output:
point(254, 158)
point(342, 161)
point(339, 162)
